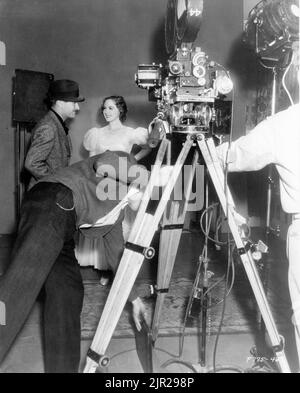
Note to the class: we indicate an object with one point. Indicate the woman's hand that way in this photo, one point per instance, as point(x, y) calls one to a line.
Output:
point(142, 153)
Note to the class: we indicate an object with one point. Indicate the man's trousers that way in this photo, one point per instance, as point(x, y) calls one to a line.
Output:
point(293, 253)
point(43, 257)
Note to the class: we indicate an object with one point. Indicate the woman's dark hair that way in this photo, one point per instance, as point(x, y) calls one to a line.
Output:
point(120, 104)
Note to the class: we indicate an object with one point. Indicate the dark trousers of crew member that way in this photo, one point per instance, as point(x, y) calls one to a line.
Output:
point(43, 258)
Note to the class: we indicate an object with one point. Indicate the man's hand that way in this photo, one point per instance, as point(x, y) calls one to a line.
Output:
point(138, 312)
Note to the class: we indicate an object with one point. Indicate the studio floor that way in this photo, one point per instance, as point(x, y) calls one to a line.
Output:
point(232, 351)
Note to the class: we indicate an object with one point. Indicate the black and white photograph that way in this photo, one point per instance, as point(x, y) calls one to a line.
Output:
point(149, 189)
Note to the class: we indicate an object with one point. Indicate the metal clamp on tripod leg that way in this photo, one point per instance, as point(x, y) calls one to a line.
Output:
point(148, 252)
point(102, 360)
point(155, 289)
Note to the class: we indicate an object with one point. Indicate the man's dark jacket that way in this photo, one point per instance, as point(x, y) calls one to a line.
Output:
point(50, 148)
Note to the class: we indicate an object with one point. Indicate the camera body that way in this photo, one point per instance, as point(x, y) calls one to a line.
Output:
point(190, 91)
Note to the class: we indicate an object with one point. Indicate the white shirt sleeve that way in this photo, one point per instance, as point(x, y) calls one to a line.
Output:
point(89, 140)
point(251, 152)
point(139, 136)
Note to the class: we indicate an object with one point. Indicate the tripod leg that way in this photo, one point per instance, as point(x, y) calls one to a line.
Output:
point(204, 307)
point(101, 338)
point(140, 238)
point(217, 176)
point(169, 241)
point(172, 226)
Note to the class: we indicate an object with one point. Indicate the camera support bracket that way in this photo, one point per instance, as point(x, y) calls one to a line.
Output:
point(143, 231)
point(148, 252)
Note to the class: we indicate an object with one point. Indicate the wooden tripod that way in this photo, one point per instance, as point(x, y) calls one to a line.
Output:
point(138, 248)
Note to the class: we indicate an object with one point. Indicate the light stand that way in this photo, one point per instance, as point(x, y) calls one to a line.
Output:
point(265, 269)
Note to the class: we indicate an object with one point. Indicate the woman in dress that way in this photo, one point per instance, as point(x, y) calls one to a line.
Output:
point(115, 136)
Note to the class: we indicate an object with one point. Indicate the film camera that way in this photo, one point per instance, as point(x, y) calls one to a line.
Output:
point(191, 90)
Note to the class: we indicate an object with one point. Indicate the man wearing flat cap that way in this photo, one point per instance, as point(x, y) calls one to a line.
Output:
point(50, 147)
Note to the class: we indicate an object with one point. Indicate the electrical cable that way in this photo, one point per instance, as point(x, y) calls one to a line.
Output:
point(222, 313)
point(229, 260)
point(181, 336)
point(195, 284)
point(188, 364)
point(226, 368)
point(122, 353)
point(182, 362)
point(134, 349)
point(214, 240)
point(218, 282)
point(206, 233)
point(283, 81)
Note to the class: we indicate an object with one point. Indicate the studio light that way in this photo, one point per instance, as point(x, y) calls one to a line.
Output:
point(272, 27)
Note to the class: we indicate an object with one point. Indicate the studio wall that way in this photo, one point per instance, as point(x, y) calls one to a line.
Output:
point(99, 43)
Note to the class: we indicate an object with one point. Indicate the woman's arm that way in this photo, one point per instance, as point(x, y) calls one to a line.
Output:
point(89, 141)
point(142, 153)
point(140, 138)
